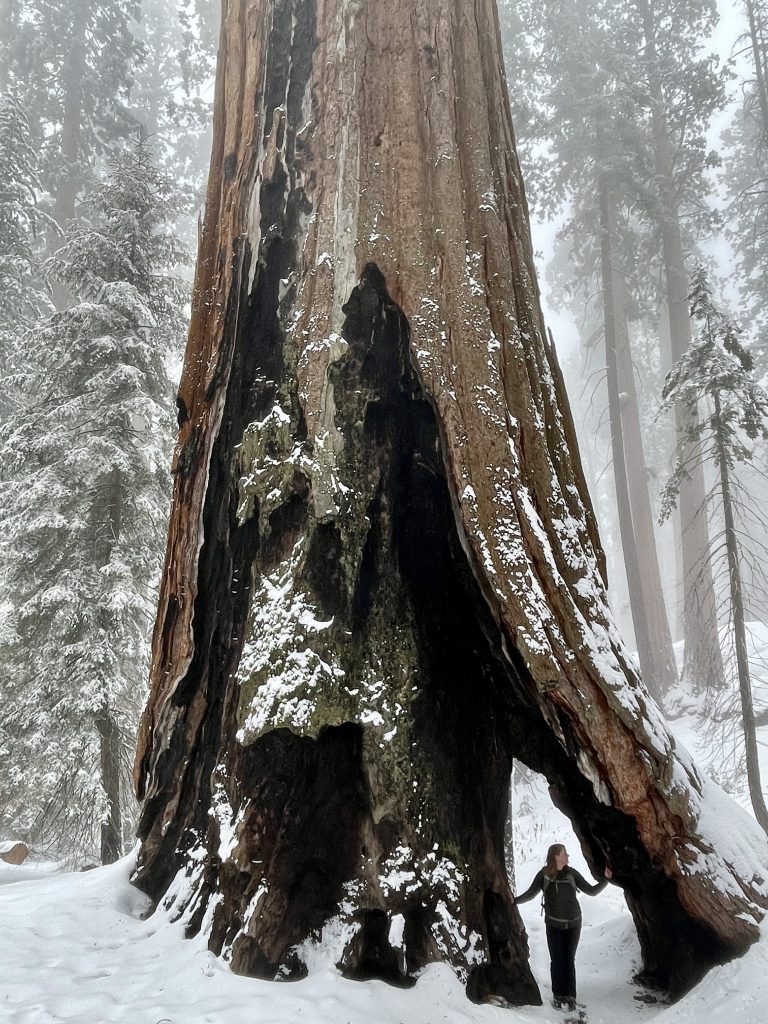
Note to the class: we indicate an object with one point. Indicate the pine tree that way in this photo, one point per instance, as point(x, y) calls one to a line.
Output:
point(84, 498)
point(582, 107)
point(757, 18)
point(683, 90)
point(166, 98)
point(717, 371)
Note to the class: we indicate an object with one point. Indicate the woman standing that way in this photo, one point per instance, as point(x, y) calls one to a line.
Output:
point(562, 915)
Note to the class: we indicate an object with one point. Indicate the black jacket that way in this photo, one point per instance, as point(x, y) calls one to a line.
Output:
point(561, 907)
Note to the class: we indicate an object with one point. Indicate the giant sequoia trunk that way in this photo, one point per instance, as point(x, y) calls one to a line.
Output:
point(643, 519)
point(383, 579)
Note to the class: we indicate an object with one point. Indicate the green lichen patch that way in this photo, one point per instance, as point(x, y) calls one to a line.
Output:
point(269, 461)
point(290, 673)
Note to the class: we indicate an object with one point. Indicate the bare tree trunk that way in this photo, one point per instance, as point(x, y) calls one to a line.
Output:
point(109, 749)
point(110, 739)
point(70, 173)
point(614, 319)
point(678, 603)
point(757, 39)
point(654, 645)
point(383, 578)
point(703, 664)
point(509, 844)
point(643, 519)
point(739, 630)
point(155, 88)
point(9, 19)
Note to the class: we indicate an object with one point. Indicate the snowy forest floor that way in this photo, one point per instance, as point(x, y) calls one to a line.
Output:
point(74, 948)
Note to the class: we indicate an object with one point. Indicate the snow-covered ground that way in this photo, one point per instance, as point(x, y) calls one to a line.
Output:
point(74, 948)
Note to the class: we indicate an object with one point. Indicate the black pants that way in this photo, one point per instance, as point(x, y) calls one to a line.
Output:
point(562, 944)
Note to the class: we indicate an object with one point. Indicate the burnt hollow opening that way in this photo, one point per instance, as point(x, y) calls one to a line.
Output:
point(415, 576)
point(468, 688)
point(373, 955)
point(310, 796)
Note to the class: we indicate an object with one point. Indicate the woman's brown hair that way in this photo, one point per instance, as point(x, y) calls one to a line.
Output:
point(552, 853)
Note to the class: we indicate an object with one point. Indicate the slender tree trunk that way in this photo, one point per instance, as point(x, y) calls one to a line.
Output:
point(110, 739)
point(643, 519)
point(654, 643)
point(383, 578)
point(614, 321)
point(9, 19)
point(509, 844)
point(70, 171)
point(157, 88)
point(703, 664)
point(677, 604)
point(757, 39)
point(109, 749)
point(739, 630)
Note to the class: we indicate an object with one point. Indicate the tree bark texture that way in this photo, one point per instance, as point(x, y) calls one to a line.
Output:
point(703, 662)
point(383, 578)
